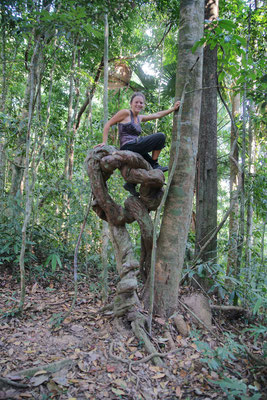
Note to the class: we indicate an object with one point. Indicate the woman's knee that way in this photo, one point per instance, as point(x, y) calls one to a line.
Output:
point(161, 139)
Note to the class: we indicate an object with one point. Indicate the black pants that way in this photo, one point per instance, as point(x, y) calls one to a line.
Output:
point(145, 144)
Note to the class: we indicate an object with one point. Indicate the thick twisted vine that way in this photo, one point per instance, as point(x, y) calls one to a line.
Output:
point(101, 163)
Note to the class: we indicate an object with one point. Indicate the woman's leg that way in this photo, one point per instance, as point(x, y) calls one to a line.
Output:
point(155, 154)
point(144, 145)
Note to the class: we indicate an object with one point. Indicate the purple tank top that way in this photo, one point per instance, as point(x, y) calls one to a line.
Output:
point(129, 131)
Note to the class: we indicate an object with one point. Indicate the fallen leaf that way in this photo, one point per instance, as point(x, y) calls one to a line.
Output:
point(110, 368)
point(160, 321)
point(155, 368)
point(121, 383)
point(34, 288)
point(137, 354)
point(84, 367)
point(43, 371)
point(77, 328)
point(61, 380)
point(53, 387)
point(118, 392)
point(214, 375)
point(60, 377)
point(104, 337)
point(11, 351)
point(130, 340)
point(183, 373)
point(38, 380)
point(132, 348)
point(159, 376)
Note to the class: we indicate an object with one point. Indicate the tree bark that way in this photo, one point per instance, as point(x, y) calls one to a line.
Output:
point(178, 208)
point(105, 230)
point(243, 161)
point(29, 187)
point(233, 218)
point(70, 110)
point(74, 130)
point(3, 103)
point(3, 58)
point(251, 171)
point(206, 181)
point(18, 166)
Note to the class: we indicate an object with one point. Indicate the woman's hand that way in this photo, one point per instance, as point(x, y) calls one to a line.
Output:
point(176, 105)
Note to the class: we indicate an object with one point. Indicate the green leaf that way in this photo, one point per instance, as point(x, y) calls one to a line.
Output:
point(227, 39)
point(257, 305)
point(241, 40)
point(227, 24)
point(197, 44)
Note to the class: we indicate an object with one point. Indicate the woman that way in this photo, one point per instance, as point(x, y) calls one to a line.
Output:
point(130, 130)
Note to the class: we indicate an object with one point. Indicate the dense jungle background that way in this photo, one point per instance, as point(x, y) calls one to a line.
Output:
point(58, 337)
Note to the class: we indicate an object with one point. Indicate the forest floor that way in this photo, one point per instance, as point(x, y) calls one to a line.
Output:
point(84, 345)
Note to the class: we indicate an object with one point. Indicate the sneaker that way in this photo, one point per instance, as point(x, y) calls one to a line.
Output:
point(157, 166)
point(130, 187)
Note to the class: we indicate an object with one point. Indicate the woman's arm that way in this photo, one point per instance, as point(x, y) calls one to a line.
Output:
point(160, 114)
point(119, 117)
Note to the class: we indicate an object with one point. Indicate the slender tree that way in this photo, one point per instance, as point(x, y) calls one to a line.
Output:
point(251, 174)
point(105, 229)
point(206, 179)
point(232, 263)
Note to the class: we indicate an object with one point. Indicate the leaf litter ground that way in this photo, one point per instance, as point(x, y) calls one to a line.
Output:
point(86, 350)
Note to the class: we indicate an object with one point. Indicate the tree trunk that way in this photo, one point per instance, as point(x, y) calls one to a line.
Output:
point(251, 174)
point(70, 111)
point(241, 236)
point(178, 209)
point(29, 188)
point(3, 59)
point(233, 218)
point(206, 185)
point(19, 161)
point(74, 130)
point(3, 103)
point(105, 230)
point(243, 162)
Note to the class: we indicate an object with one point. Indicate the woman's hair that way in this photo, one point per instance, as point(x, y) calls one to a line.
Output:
point(137, 94)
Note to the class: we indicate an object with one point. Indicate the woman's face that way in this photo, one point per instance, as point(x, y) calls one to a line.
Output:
point(137, 104)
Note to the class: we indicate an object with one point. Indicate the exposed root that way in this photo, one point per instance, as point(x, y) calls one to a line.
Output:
point(52, 368)
point(138, 326)
point(9, 382)
point(107, 307)
point(130, 363)
point(228, 308)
